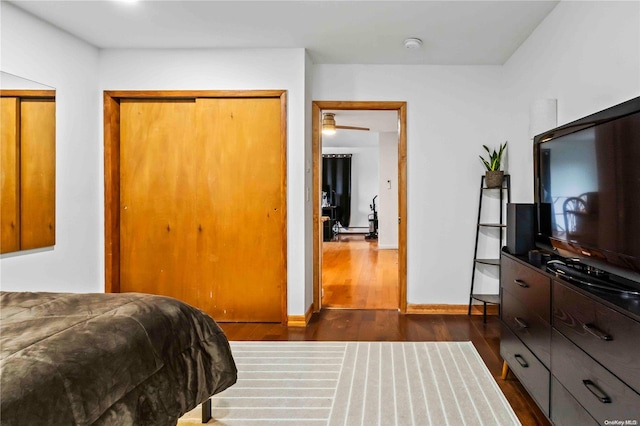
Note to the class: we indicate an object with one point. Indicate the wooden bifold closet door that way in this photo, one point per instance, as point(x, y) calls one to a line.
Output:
point(202, 208)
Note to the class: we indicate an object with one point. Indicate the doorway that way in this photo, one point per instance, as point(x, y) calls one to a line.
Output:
point(349, 241)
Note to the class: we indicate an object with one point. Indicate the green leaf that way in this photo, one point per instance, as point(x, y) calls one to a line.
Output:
point(495, 157)
point(486, 164)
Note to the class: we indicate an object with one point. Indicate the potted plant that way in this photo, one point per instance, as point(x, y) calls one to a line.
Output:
point(493, 176)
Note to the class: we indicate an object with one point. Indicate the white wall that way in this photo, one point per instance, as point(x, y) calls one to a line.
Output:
point(37, 51)
point(584, 54)
point(387, 201)
point(203, 69)
point(308, 183)
point(10, 81)
point(451, 112)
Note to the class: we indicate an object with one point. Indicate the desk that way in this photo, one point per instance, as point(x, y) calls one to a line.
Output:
point(330, 211)
point(328, 220)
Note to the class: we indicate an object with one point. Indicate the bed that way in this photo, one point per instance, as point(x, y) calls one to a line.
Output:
point(107, 359)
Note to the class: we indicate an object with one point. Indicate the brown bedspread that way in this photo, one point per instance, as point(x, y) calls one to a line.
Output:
point(106, 359)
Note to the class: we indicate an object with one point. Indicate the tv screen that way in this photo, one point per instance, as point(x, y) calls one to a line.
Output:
point(588, 187)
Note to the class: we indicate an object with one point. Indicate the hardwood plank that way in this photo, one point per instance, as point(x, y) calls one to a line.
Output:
point(450, 309)
point(356, 275)
point(388, 325)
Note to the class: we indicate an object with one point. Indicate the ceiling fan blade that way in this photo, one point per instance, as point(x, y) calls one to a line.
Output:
point(352, 128)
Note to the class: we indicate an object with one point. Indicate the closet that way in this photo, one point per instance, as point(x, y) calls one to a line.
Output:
point(201, 193)
point(27, 193)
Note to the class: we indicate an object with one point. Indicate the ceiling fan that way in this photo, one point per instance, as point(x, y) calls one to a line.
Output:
point(329, 125)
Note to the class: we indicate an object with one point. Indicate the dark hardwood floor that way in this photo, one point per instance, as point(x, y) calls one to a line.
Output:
point(389, 325)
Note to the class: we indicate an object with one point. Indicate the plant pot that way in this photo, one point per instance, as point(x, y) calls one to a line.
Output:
point(493, 178)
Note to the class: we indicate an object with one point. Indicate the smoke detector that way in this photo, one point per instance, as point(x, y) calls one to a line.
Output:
point(413, 43)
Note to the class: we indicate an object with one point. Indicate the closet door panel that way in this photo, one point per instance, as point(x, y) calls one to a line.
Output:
point(37, 173)
point(241, 208)
point(157, 172)
point(9, 176)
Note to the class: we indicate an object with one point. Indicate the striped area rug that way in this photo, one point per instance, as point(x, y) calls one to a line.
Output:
point(359, 383)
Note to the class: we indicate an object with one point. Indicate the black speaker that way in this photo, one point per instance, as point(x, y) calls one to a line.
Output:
point(521, 228)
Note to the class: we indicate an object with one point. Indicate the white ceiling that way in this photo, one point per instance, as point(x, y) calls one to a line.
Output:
point(350, 139)
point(332, 31)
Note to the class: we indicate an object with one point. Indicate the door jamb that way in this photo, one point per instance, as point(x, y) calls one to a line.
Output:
point(401, 108)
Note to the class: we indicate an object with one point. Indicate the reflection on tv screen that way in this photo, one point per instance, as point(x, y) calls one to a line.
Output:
point(591, 181)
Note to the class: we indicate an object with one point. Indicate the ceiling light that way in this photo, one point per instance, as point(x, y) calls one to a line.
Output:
point(328, 123)
point(413, 43)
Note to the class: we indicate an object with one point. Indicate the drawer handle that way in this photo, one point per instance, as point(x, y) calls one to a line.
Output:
point(520, 322)
point(521, 361)
point(594, 331)
point(596, 391)
point(521, 283)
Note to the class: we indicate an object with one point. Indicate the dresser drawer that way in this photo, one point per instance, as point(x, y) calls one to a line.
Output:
point(607, 335)
point(532, 374)
point(529, 327)
point(530, 286)
point(565, 410)
point(601, 393)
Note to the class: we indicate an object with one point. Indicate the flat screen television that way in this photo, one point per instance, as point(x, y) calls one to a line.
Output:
point(587, 189)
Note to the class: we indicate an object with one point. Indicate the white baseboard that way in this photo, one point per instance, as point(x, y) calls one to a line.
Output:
point(387, 246)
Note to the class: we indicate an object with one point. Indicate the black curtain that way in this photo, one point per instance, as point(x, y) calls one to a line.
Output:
point(336, 182)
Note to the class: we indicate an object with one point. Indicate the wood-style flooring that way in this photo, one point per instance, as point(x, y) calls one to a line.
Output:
point(389, 325)
point(356, 275)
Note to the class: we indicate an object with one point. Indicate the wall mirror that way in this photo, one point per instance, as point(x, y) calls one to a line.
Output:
point(27, 169)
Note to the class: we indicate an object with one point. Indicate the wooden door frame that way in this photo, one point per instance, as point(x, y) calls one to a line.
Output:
point(112, 169)
point(401, 108)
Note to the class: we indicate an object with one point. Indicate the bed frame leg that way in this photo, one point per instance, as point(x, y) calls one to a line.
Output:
point(206, 411)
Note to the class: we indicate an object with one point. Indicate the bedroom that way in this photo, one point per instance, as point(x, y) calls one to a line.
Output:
point(452, 110)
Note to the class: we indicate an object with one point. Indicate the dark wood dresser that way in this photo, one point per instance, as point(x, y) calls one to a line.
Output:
point(575, 350)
